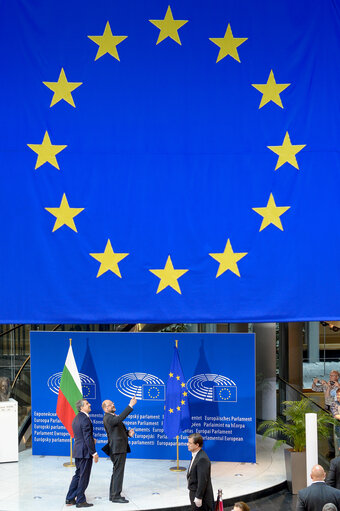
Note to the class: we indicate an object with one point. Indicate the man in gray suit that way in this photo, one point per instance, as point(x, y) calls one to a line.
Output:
point(118, 445)
point(199, 477)
point(318, 493)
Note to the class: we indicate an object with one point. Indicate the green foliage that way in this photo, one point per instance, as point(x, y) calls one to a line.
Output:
point(293, 430)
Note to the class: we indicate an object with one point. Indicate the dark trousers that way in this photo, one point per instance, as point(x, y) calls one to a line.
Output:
point(116, 485)
point(80, 480)
point(205, 505)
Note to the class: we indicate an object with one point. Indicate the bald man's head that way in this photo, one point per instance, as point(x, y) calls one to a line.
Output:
point(108, 406)
point(318, 473)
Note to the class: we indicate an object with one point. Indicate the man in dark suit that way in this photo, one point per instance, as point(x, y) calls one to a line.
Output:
point(118, 445)
point(318, 493)
point(198, 475)
point(84, 452)
point(333, 477)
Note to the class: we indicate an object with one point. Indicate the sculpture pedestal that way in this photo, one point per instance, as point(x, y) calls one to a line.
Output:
point(9, 431)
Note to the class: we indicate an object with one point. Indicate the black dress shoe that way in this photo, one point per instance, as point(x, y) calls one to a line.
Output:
point(84, 504)
point(70, 502)
point(120, 500)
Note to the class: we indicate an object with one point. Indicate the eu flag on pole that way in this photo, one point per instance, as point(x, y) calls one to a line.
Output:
point(169, 162)
point(176, 413)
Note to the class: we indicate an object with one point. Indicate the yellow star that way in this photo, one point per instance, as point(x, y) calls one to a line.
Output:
point(168, 276)
point(109, 260)
point(178, 377)
point(46, 152)
point(271, 213)
point(171, 410)
point(228, 260)
point(168, 27)
point(286, 152)
point(271, 90)
point(107, 42)
point(182, 402)
point(185, 393)
point(179, 408)
point(62, 89)
point(228, 44)
point(171, 375)
point(182, 384)
point(64, 214)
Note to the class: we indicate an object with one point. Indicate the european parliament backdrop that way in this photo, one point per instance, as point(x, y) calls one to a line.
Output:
point(218, 388)
point(169, 161)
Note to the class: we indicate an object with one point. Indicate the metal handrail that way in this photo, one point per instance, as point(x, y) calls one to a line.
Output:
point(27, 359)
point(303, 396)
point(10, 330)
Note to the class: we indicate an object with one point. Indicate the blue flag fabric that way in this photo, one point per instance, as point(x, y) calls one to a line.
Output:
point(169, 162)
point(176, 412)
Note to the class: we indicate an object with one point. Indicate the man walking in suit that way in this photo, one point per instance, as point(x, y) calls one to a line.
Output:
point(118, 445)
point(333, 477)
point(84, 452)
point(198, 475)
point(318, 493)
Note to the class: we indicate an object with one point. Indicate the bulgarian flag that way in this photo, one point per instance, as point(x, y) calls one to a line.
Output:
point(70, 392)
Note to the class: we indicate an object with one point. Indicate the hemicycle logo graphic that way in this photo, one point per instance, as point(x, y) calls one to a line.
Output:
point(87, 383)
point(212, 387)
point(144, 386)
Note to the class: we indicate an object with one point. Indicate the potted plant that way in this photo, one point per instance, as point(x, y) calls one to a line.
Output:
point(293, 431)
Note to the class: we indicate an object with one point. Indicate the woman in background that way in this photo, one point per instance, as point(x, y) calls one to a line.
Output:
point(241, 506)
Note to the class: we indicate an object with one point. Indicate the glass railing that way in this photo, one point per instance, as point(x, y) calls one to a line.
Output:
point(287, 392)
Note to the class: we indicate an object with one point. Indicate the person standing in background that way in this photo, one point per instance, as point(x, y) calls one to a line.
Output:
point(329, 388)
point(199, 476)
point(318, 493)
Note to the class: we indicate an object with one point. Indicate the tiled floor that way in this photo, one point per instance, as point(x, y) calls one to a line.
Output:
point(39, 483)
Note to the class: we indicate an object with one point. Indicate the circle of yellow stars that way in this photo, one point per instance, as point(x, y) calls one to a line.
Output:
point(47, 151)
point(183, 396)
point(153, 392)
point(86, 391)
point(225, 394)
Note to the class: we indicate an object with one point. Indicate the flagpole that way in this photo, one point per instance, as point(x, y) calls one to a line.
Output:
point(70, 463)
point(177, 468)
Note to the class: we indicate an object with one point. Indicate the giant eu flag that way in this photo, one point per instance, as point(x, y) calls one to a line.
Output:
point(169, 162)
point(176, 410)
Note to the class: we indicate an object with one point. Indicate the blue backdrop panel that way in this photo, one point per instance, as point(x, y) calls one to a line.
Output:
point(219, 371)
point(162, 171)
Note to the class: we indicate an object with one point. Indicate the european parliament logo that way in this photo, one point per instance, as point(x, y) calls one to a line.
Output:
point(88, 385)
point(145, 386)
point(213, 387)
point(89, 390)
point(225, 393)
point(153, 392)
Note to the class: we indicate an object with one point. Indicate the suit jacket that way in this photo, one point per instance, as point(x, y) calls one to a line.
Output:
point(117, 433)
point(84, 446)
point(315, 496)
point(199, 479)
point(333, 478)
